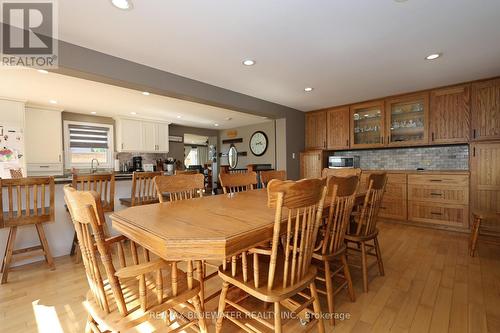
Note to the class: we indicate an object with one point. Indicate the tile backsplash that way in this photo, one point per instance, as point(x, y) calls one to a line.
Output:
point(148, 158)
point(428, 158)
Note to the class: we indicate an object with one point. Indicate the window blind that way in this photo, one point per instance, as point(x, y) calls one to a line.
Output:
point(84, 136)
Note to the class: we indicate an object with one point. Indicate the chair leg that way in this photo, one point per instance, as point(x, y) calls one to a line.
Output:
point(222, 306)
point(329, 292)
point(317, 308)
point(474, 236)
point(379, 257)
point(45, 246)
point(74, 245)
point(8, 254)
point(364, 266)
point(201, 268)
point(200, 314)
point(347, 275)
point(277, 317)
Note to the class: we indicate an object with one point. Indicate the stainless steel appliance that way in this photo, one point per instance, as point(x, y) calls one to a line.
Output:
point(337, 162)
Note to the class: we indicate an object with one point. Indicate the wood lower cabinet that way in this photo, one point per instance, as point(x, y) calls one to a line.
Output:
point(440, 198)
point(486, 110)
point(316, 130)
point(450, 115)
point(337, 128)
point(394, 203)
point(311, 164)
point(485, 183)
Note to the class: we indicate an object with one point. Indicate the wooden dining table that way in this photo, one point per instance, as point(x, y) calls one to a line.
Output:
point(208, 228)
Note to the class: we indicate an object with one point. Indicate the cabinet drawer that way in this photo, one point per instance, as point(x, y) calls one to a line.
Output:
point(439, 180)
point(392, 178)
point(393, 209)
point(443, 194)
point(438, 213)
point(44, 169)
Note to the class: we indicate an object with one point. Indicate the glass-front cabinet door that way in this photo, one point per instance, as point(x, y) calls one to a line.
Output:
point(407, 120)
point(367, 124)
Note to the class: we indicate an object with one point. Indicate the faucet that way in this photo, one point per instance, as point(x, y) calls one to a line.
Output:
point(92, 170)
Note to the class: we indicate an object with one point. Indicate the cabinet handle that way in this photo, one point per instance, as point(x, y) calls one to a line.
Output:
point(388, 139)
point(474, 134)
point(436, 180)
point(59, 157)
point(438, 194)
point(319, 157)
point(432, 136)
point(474, 152)
point(44, 166)
point(347, 143)
point(383, 140)
point(122, 145)
point(434, 213)
point(324, 144)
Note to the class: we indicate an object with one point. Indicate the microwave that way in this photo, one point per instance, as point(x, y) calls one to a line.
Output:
point(335, 162)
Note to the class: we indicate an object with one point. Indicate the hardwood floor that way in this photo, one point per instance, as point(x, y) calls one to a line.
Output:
point(430, 285)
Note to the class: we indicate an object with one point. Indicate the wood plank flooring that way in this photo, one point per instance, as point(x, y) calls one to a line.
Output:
point(431, 285)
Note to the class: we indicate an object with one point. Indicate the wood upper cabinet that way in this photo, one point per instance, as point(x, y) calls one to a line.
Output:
point(311, 164)
point(485, 183)
point(486, 110)
point(367, 124)
point(316, 130)
point(450, 115)
point(407, 120)
point(338, 128)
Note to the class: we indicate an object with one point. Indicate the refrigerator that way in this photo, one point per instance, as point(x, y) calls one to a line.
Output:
point(11, 151)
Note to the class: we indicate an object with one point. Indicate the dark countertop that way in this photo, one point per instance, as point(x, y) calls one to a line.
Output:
point(456, 172)
point(66, 179)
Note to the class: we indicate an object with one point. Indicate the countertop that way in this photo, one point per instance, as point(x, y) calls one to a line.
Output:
point(66, 179)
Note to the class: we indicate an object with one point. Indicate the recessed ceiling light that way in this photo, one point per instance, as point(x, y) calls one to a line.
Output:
point(248, 62)
point(433, 56)
point(134, 113)
point(400, 1)
point(308, 89)
point(93, 112)
point(43, 71)
point(229, 118)
point(146, 93)
point(216, 125)
point(179, 117)
point(53, 101)
point(122, 4)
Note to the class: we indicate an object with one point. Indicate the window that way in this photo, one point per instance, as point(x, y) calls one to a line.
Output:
point(86, 141)
point(191, 154)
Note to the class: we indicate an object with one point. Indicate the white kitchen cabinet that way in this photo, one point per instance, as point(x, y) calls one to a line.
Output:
point(141, 136)
point(128, 135)
point(43, 142)
point(149, 134)
point(162, 137)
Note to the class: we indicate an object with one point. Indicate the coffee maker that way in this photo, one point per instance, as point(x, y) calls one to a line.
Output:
point(137, 163)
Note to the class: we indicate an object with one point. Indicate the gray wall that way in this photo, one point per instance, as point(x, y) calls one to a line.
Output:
point(429, 158)
point(245, 133)
point(176, 149)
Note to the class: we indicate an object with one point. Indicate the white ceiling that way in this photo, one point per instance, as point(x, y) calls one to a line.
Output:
point(348, 50)
point(84, 96)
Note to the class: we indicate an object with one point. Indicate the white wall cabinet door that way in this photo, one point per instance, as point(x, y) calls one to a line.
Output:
point(162, 138)
point(43, 135)
point(129, 135)
point(149, 135)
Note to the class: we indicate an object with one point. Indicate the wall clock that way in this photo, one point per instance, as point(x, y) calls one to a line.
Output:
point(258, 143)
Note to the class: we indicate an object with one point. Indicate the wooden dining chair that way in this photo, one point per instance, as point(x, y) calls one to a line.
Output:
point(343, 172)
point(331, 248)
point(237, 182)
point(16, 173)
point(134, 297)
point(30, 201)
point(268, 175)
point(143, 188)
point(102, 183)
point(366, 226)
point(277, 274)
point(184, 187)
point(186, 172)
point(477, 218)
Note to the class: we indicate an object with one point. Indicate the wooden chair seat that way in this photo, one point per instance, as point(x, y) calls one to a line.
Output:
point(278, 293)
point(115, 322)
point(330, 256)
point(361, 238)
